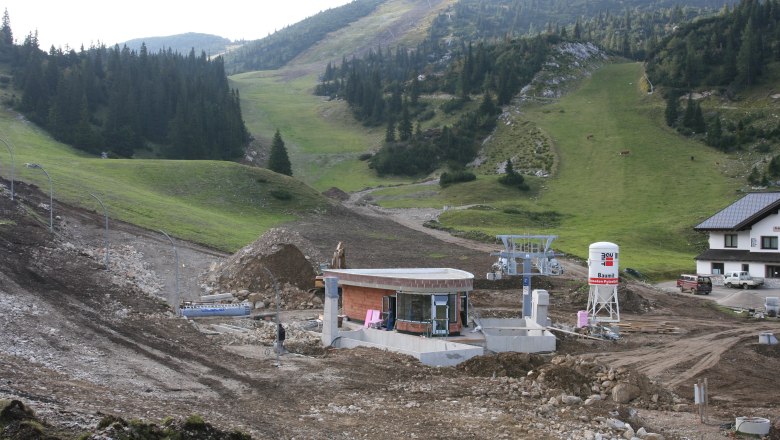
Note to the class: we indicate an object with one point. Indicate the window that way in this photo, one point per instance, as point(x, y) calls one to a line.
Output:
point(772, 271)
point(414, 307)
point(745, 267)
point(730, 241)
point(717, 268)
point(768, 242)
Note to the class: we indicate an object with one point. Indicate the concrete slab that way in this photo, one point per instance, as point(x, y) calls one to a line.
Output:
point(429, 351)
point(521, 335)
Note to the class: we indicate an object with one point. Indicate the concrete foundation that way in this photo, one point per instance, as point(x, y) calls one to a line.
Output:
point(330, 323)
point(520, 335)
point(430, 351)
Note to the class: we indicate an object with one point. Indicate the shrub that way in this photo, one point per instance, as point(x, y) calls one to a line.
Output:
point(449, 178)
point(453, 105)
point(365, 156)
point(280, 194)
point(194, 422)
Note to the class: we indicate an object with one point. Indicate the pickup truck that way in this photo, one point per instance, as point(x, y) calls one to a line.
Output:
point(742, 279)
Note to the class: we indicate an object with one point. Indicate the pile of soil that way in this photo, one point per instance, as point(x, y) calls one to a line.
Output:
point(509, 364)
point(335, 194)
point(283, 254)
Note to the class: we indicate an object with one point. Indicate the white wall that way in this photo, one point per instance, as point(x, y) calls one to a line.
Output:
point(769, 226)
point(717, 240)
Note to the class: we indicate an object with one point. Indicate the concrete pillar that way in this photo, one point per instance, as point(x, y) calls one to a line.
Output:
point(330, 319)
point(541, 301)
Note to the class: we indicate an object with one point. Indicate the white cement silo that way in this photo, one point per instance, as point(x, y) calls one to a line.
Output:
point(603, 278)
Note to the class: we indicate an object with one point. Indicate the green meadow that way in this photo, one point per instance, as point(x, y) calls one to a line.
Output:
point(222, 205)
point(646, 200)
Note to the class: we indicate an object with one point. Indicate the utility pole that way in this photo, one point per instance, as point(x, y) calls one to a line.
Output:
point(105, 236)
point(176, 256)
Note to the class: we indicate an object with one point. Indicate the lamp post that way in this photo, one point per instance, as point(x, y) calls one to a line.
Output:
point(105, 237)
point(51, 194)
point(11, 152)
point(176, 256)
point(278, 311)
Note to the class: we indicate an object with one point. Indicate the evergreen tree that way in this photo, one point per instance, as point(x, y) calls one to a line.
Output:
point(690, 112)
point(715, 133)
point(405, 125)
point(390, 133)
point(749, 56)
point(773, 169)
point(753, 178)
point(278, 161)
point(512, 177)
point(6, 35)
point(672, 112)
point(698, 125)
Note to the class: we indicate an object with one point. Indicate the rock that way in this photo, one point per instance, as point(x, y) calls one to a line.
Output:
point(680, 407)
point(653, 436)
point(571, 400)
point(641, 432)
point(625, 392)
point(616, 424)
point(259, 305)
point(628, 434)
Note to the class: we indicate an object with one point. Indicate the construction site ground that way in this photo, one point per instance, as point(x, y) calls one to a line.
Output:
point(78, 343)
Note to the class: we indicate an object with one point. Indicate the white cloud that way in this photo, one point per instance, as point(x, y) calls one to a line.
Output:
point(72, 23)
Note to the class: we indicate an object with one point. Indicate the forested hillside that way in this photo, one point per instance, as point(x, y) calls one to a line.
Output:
point(730, 49)
point(725, 60)
point(480, 50)
point(624, 26)
point(282, 46)
point(493, 73)
point(123, 101)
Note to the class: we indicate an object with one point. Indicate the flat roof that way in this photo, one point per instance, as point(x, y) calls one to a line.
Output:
point(411, 273)
point(422, 280)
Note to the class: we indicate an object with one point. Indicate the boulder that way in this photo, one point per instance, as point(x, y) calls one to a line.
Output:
point(625, 392)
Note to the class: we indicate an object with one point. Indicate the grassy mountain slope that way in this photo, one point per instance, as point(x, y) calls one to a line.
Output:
point(645, 201)
point(220, 204)
point(322, 138)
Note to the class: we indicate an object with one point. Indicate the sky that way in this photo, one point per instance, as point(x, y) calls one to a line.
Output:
point(71, 23)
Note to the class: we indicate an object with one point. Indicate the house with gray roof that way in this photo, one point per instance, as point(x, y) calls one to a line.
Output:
point(744, 237)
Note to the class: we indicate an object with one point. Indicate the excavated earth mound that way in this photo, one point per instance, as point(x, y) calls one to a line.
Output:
point(285, 254)
point(336, 194)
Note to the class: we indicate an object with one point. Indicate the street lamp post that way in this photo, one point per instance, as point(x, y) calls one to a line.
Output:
point(105, 237)
point(278, 311)
point(176, 256)
point(11, 152)
point(51, 194)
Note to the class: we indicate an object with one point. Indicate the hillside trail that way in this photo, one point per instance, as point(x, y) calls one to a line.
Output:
point(415, 218)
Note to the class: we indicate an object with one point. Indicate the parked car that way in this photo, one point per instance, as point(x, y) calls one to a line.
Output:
point(742, 279)
point(696, 284)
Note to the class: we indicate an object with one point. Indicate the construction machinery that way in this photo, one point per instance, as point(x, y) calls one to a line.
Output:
point(338, 261)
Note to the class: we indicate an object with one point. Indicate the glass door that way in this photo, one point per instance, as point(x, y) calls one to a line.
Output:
point(440, 312)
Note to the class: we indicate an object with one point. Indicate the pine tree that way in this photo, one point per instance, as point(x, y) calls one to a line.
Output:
point(390, 133)
point(698, 125)
point(672, 112)
point(6, 36)
point(715, 133)
point(405, 125)
point(278, 161)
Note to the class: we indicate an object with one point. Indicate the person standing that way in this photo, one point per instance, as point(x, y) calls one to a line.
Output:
point(280, 336)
